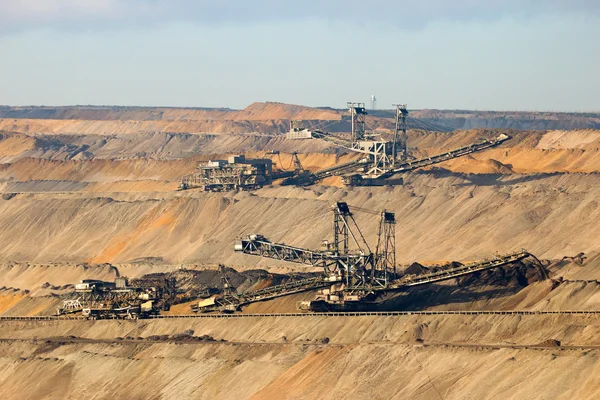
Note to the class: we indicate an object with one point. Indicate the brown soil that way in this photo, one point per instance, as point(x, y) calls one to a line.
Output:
point(104, 203)
point(286, 358)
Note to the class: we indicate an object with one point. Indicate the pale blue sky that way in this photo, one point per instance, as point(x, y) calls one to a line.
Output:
point(485, 55)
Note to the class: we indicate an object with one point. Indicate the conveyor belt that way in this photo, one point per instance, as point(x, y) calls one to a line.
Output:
point(452, 154)
point(341, 169)
point(455, 272)
point(271, 292)
point(338, 169)
point(331, 314)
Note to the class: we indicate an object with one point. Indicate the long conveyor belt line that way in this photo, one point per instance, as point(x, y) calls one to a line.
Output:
point(455, 272)
point(341, 169)
point(337, 169)
point(456, 153)
point(331, 314)
point(311, 178)
point(271, 292)
point(284, 289)
point(445, 274)
point(388, 313)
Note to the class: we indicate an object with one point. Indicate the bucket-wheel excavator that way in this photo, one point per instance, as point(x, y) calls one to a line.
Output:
point(381, 159)
point(354, 273)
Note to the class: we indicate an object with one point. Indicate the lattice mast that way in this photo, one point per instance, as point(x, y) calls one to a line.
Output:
point(401, 114)
point(358, 114)
point(385, 267)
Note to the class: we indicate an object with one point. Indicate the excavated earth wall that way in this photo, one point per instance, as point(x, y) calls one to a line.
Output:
point(95, 198)
point(452, 357)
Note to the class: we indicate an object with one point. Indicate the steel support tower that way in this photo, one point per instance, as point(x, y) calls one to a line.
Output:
point(385, 267)
point(358, 114)
point(340, 230)
point(401, 114)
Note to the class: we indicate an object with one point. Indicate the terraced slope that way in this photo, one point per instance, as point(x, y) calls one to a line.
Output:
point(96, 199)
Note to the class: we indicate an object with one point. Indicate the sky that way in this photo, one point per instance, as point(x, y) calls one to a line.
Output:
point(534, 55)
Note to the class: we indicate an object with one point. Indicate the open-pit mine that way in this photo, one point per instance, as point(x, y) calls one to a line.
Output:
point(289, 252)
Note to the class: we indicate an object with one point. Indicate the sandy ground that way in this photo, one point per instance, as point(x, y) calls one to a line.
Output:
point(444, 217)
point(94, 197)
point(452, 357)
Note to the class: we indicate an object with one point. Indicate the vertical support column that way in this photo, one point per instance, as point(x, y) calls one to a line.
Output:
point(358, 113)
point(341, 238)
point(401, 114)
point(340, 233)
point(385, 263)
point(390, 244)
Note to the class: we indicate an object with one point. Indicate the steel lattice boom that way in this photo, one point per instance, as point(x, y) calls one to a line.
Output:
point(353, 275)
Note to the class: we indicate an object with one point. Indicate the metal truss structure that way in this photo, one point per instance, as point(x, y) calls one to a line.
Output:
point(353, 274)
point(358, 114)
point(400, 133)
